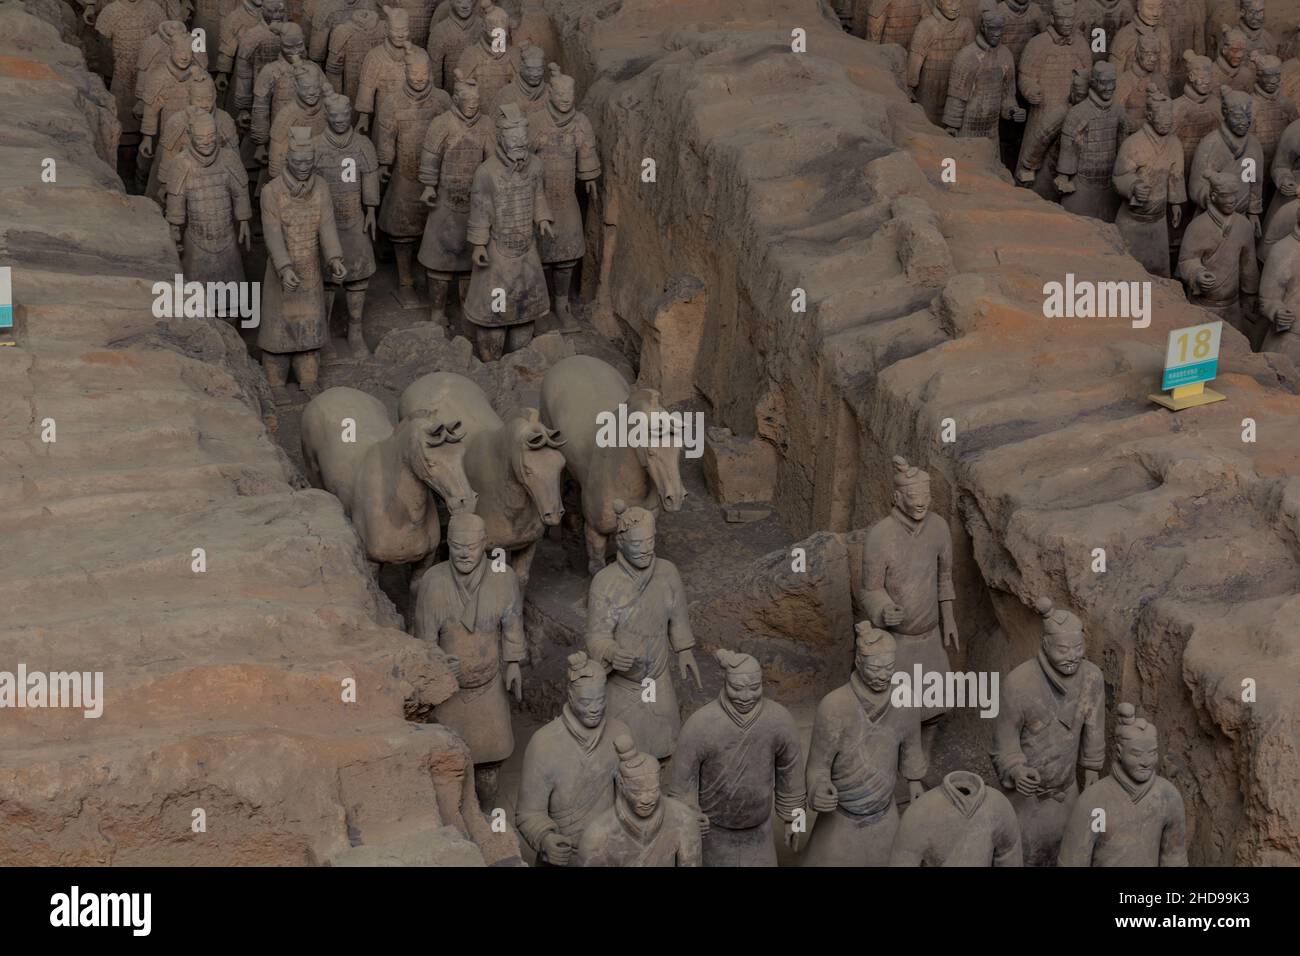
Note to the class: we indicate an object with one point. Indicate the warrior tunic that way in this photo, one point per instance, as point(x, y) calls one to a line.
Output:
point(618, 837)
point(233, 24)
point(961, 822)
point(478, 618)
point(328, 16)
point(529, 101)
point(888, 21)
point(1022, 20)
point(644, 612)
point(1090, 138)
point(1279, 288)
point(207, 200)
point(452, 151)
point(419, 13)
point(127, 24)
point(1195, 117)
point(383, 69)
point(935, 45)
point(910, 564)
point(274, 89)
point(1109, 16)
point(733, 761)
point(1045, 76)
point(258, 48)
point(298, 227)
point(1241, 78)
point(352, 195)
point(350, 44)
point(1044, 720)
point(568, 778)
point(1280, 224)
point(1131, 93)
point(506, 202)
point(448, 40)
point(566, 146)
point(1273, 113)
point(981, 90)
point(492, 72)
point(399, 139)
point(1124, 50)
point(1145, 824)
point(175, 136)
point(1220, 151)
point(859, 744)
point(1185, 21)
point(1286, 160)
point(1157, 161)
point(1226, 247)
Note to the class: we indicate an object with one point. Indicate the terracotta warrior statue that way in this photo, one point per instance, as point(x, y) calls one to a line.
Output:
point(1108, 16)
point(451, 36)
point(1248, 18)
point(982, 87)
point(643, 827)
point(298, 226)
point(257, 48)
point(507, 290)
point(527, 88)
point(1134, 84)
point(247, 14)
point(474, 612)
point(399, 138)
point(306, 110)
point(861, 744)
point(1198, 111)
point(1147, 22)
point(1231, 66)
point(1022, 21)
point(636, 620)
point(570, 768)
point(207, 203)
point(935, 44)
point(1232, 149)
point(457, 141)
point(961, 822)
point(1149, 177)
point(1052, 721)
point(1216, 261)
point(383, 72)
point(888, 21)
point(1284, 172)
point(329, 15)
point(564, 141)
point(156, 50)
point(492, 61)
point(207, 17)
point(347, 162)
point(126, 24)
point(1145, 824)
point(1185, 20)
point(167, 93)
point(175, 135)
point(350, 43)
point(1090, 138)
point(1273, 110)
point(1046, 76)
point(907, 582)
point(737, 757)
point(1279, 290)
point(278, 85)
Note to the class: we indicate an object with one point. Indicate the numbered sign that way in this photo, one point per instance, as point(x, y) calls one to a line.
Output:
point(6, 301)
point(1191, 360)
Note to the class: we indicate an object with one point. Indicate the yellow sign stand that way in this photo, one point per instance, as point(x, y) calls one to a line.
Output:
point(1188, 396)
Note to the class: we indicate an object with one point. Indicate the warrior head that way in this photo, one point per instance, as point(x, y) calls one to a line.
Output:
point(417, 69)
point(465, 95)
point(1252, 13)
point(561, 90)
point(273, 11)
point(203, 134)
point(182, 51)
point(911, 489)
point(586, 693)
point(1238, 110)
point(466, 541)
point(992, 23)
point(512, 132)
point(949, 9)
point(338, 113)
point(532, 65)
point(1268, 72)
point(1148, 53)
point(874, 655)
point(306, 84)
point(1159, 110)
point(462, 9)
point(1200, 72)
point(1102, 82)
point(1234, 46)
point(292, 47)
point(203, 94)
point(1063, 17)
point(743, 679)
point(300, 159)
point(399, 26)
point(1062, 636)
point(1136, 744)
point(1225, 191)
point(496, 31)
point(638, 778)
point(1149, 11)
point(635, 536)
point(169, 30)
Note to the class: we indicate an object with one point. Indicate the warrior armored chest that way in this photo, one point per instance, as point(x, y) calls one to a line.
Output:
point(1099, 143)
point(1192, 123)
point(1057, 74)
point(300, 219)
point(1018, 29)
point(985, 104)
point(557, 148)
point(901, 21)
point(267, 48)
point(946, 43)
point(412, 121)
point(209, 212)
point(1270, 120)
point(512, 208)
point(134, 23)
point(460, 160)
point(345, 192)
point(358, 44)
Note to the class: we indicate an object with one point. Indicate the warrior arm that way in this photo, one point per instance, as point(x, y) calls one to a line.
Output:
point(680, 637)
point(684, 784)
point(513, 648)
point(431, 155)
point(330, 247)
point(370, 187)
point(961, 81)
point(1249, 264)
point(912, 761)
point(822, 748)
point(1288, 152)
point(1173, 837)
point(175, 212)
point(533, 812)
point(1030, 80)
point(1273, 283)
point(239, 194)
point(386, 141)
point(1007, 753)
point(477, 234)
point(1009, 101)
point(1257, 187)
point(273, 232)
point(320, 33)
point(260, 128)
point(1093, 738)
point(1126, 173)
point(790, 792)
point(366, 87)
point(690, 852)
point(1198, 185)
point(152, 113)
point(1006, 837)
point(227, 48)
point(954, 111)
point(243, 95)
point(1191, 254)
point(873, 596)
point(946, 590)
point(104, 25)
point(588, 160)
point(1177, 185)
point(337, 52)
point(1078, 838)
point(1072, 131)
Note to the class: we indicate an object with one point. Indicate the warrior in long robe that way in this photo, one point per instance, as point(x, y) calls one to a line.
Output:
point(399, 137)
point(450, 37)
point(1145, 823)
point(298, 226)
point(456, 143)
point(636, 618)
point(1185, 21)
point(1232, 66)
point(1279, 288)
point(1046, 76)
point(233, 24)
point(570, 768)
point(1149, 177)
point(1273, 111)
point(1051, 722)
point(1197, 112)
point(166, 94)
point(175, 133)
point(1134, 84)
point(507, 209)
point(737, 757)
point(327, 17)
point(306, 110)
point(1147, 22)
point(347, 162)
point(982, 87)
point(961, 822)
point(383, 72)
point(907, 582)
point(1090, 138)
point(1108, 16)
point(643, 827)
point(1233, 149)
point(258, 47)
point(527, 88)
point(935, 44)
point(1285, 174)
point(475, 614)
point(126, 24)
point(492, 61)
point(1217, 261)
point(860, 745)
point(350, 44)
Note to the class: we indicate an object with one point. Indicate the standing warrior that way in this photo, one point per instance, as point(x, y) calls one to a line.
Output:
point(258, 47)
point(737, 757)
point(384, 69)
point(1053, 708)
point(350, 44)
point(1279, 287)
point(1149, 175)
point(1022, 21)
point(1198, 111)
point(527, 88)
point(507, 290)
point(454, 146)
point(247, 14)
point(1284, 172)
point(1046, 76)
point(475, 614)
point(1216, 261)
point(934, 45)
point(907, 582)
point(156, 49)
point(1273, 111)
point(1108, 16)
point(127, 24)
point(1133, 85)
point(328, 16)
point(642, 828)
point(207, 17)
point(1231, 67)
point(175, 133)
point(1233, 149)
point(982, 87)
point(167, 93)
point(860, 745)
point(451, 36)
point(636, 618)
point(1146, 23)
point(298, 225)
point(347, 162)
point(277, 83)
point(961, 822)
point(1249, 20)
point(570, 768)
point(1145, 824)
point(403, 123)
point(1090, 138)
point(566, 144)
point(207, 204)
point(306, 111)
point(888, 21)
point(1185, 21)
point(491, 61)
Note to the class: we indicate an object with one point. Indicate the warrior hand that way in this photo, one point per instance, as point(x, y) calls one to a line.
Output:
point(950, 130)
point(480, 256)
point(245, 235)
point(1089, 778)
point(1287, 185)
point(363, 123)
point(385, 174)
point(222, 82)
point(260, 154)
point(825, 798)
point(915, 789)
point(1065, 184)
point(146, 147)
point(686, 661)
point(545, 228)
point(791, 837)
point(289, 279)
point(1018, 115)
point(591, 188)
point(557, 849)
point(950, 635)
point(369, 224)
point(337, 269)
point(1176, 215)
point(243, 120)
point(1206, 280)
point(1259, 231)
point(703, 819)
point(1283, 319)
point(892, 616)
point(453, 665)
point(623, 659)
point(429, 197)
point(1026, 779)
point(138, 109)
point(514, 680)
point(1142, 193)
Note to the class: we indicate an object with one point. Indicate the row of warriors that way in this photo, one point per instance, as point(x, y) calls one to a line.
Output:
point(618, 779)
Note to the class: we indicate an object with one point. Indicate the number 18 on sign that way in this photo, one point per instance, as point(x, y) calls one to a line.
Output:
point(1191, 360)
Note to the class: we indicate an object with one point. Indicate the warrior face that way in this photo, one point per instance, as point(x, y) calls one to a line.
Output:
point(1234, 51)
point(462, 8)
point(1102, 83)
point(1160, 115)
point(1252, 13)
point(562, 97)
point(300, 162)
point(308, 88)
point(950, 8)
point(1269, 78)
point(1149, 11)
point(641, 794)
point(991, 27)
point(744, 690)
point(182, 52)
point(1148, 53)
point(203, 95)
point(273, 11)
point(466, 98)
point(637, 545)
point(1138, 756)
point(1224, 197)
point(532, 70)
point(292, 49)
point(1200, 76)
point(875, 670)
point(398, 32)
point(417, 73)
point(466, 549)
point(1063, 17)
point(203, 139)
point(1063, 652)
point(913, 500)
point(1237, 118)
point(338, 114)
point(587, 701)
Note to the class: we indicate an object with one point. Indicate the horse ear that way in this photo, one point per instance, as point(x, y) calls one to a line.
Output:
point(553, 437)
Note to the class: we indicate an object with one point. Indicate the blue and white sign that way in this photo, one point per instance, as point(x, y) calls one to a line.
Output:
point(6, 300)
point(1192, 355)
